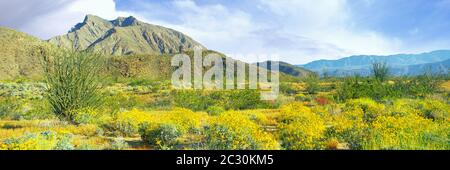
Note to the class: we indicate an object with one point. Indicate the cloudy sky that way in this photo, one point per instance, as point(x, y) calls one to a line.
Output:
point(298, 31)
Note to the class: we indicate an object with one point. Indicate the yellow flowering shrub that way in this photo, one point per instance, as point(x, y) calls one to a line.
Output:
point(348, 127)
point(10, 129)
point(128, 122)
point(407, 132)
point(47, 140)
point(300, 128)
point(85, 129)
point(370, 108)
point(435, 109)
point(234, 131)
point(260, 116)
point(91, 116)
point(403, 107)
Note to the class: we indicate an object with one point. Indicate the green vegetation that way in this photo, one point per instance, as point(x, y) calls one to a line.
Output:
point(81, 100)
point(72, 82)
point(380, 71)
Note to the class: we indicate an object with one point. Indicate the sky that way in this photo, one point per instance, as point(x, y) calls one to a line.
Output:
point(298, 31)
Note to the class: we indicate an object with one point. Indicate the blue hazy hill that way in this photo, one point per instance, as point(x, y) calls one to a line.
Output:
point(400, 64)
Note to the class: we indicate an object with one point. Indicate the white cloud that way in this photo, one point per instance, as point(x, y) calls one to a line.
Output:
point(298, 31)
point(48, 18)
point(329, 22)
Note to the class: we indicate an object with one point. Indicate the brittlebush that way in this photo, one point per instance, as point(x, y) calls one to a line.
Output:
point(300, 128)
point(407, 132)
point(235, 131)
point(128, 122)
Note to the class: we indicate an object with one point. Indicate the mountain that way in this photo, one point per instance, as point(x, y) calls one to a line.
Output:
point(292, 70)
point(20, 55)
point(400, 64)
point(123, 36)
point(442, 67)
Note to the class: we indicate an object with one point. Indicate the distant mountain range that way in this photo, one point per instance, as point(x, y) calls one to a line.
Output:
point(123, 36)
point(400, 64)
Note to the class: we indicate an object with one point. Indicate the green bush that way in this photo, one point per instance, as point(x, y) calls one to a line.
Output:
point(235, 131)
point(380, 71)
point(199, 100)
point(215, 110)
point(9, 107)
point(164, 135)
point(72, 82)
point(64, 143)
point(399, 87)
point(312, 83)
point(47, 140)
point(119, 144)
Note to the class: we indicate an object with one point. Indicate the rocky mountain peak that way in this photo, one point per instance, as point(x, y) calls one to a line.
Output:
point(126, 21)
point(123, 36)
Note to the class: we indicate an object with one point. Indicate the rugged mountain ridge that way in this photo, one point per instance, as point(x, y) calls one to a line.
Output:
point(19, 55)
point(123, 36)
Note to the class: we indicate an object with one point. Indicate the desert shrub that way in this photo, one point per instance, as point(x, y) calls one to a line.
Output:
point(10, 107)
point(86, 116)
point(14, 108)
point(380, 71)
point(128, 122)
point(91, 116)
point(407, 132)
point(22, 90)
point(371, 109)
point(119, 144)
point(403, 107)
point(348, 127)
point(349, 88)
point(287, 88)
point(36, 109)
point(425, 84)
point(47, 140)
point(186, 120)
point(215, 110)
point(359, 87)
point(192, 99)
point(163, 135)
point(420, 86)
point(428, 108)
point(199, 100)
point(312, 83)
point(88, 130)
point(258, 117)
point(434, 109)
point(72, 82)
point(234, 131)
point(64, 143)
point(302, 97)
point(300, 128)
point(243, 99)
